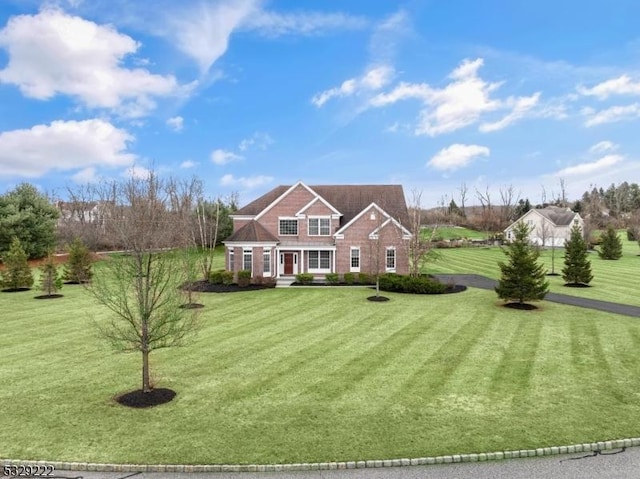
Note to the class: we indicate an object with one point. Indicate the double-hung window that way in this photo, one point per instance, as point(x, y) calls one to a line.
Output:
point(391, 258)
point(355, 259)
point(232, 263)
point(319, 226)
point(319, 260)
point(266, 262)
point(247, 259)
point(288, 227)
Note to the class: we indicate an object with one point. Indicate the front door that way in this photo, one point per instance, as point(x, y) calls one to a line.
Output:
point(288, 263)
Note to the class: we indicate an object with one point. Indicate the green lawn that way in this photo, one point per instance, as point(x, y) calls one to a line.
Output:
point(293, 375)
point(454, 232)
point(613, 280)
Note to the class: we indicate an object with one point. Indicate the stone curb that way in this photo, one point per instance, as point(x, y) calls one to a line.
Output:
point(315, 466)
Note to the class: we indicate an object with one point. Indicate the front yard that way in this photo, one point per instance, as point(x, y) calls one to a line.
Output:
point(291, 375)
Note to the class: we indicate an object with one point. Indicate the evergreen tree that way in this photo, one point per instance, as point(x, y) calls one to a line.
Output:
point(50, 280)
point(77, 269)
point(577, 268)
point(17, 273)
point(523, 278)
point(611, 246)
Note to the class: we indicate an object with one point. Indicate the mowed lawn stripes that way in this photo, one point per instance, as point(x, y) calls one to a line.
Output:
point(296, 375)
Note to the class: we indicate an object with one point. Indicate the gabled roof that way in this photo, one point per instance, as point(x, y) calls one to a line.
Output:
point(558, 216)
point(349, 200)
point(252, 232)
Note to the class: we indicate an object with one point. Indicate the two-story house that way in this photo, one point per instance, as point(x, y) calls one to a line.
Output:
point(321, 229)
point(548, 227)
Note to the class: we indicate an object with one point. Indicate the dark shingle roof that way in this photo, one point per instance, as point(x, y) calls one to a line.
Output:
point(253, 232)
point(559, 216)
point(347, 199)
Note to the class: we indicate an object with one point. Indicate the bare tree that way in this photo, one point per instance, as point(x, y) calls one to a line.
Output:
point(463, 198)
point(420, 247)
point(487, 218)
point(562, 199)
point(142, 287)
point(509, 200)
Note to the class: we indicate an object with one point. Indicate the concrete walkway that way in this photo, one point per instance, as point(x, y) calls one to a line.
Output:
point(482, 282)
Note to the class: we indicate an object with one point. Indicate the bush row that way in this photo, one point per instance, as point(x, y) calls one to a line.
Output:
point(224, 277)
point(410, 284)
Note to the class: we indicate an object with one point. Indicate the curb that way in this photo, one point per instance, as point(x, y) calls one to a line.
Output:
point(316, 466)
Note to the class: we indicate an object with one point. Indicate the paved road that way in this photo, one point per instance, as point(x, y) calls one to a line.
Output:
point(482, 282)
point(614, 464)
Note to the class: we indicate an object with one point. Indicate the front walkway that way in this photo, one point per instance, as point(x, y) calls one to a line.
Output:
point(482, 282)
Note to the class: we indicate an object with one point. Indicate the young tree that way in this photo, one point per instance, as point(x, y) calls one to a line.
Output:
point(611, 246)
point(50, 280)
point(28, 215)
point(142, 286)
point(17, 274)
point(523, 278)
point(577, 268)
point(77, 269)
point(420, 247)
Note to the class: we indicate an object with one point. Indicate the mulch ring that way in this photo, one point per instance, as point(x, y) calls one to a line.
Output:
point(377, 299)
point(15, 290)
point(577, 285)
point(521, 306)
point(204, 286)
point(140, 399)
point(49, 296)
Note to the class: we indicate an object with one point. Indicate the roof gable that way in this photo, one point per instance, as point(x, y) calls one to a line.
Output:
point(252, 232)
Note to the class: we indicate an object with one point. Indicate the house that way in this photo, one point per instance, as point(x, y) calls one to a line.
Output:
point(549, 226)
point(321, 229)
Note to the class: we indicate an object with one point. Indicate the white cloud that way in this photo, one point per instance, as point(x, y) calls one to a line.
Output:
point(54, 53)
point(203, 33)
point(612, 114)
point(222, 157)
point(258, 140)
point(460, 103)
point(138, 172)
point(603, 164)
point(63, 145)
point(188, 164)
point(603, 147)
point(88, 175)
point(245, 182)
point(520, 107)
point(176, 123)
point(303, 23)
point(386, 35)
point(457, 156)
point(623, 85)
point(373, 79)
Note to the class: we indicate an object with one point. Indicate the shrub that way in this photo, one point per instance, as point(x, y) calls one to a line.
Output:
point(244, 278)
point(410, 284)
point(269, 282)
point(364, 278)
point(17, 273)
point(77, 270)
point(611, 246)
point(349, 278)
point(632, 234)
point(50, 280)
point(577, 267)
point(332, 278)
point(222, 277)
point(304, 278)
point(258, 279)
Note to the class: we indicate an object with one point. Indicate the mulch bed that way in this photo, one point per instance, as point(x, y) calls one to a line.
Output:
point(139, 399)
point(203, 286)
point(49, 296)
point(377, 299)
point(521, 306)
point(15, 290)
point(577, 285)
point(191, 306)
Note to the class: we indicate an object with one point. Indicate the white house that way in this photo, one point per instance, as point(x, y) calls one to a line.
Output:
point(549, 226)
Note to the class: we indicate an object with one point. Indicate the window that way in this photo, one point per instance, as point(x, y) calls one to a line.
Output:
point(266, 261)
point(320, 260)
point(319, 226)
point(355, 259)
point(391, 258)
point(288, 227)
point(232, 262)
point(247, 259)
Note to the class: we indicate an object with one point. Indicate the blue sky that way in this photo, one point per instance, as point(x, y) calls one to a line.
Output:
point(249, 94)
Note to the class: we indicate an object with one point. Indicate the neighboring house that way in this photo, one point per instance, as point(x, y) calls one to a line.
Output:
point(321, 229)
point(549, 226)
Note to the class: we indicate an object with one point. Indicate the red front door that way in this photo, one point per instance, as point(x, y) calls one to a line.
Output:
point(288, 263)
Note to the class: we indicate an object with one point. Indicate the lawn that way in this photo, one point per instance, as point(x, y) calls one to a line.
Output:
point(297, 375)
point(454, 232)
point(613, 280)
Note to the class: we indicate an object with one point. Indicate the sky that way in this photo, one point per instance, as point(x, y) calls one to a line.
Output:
point(250, 94)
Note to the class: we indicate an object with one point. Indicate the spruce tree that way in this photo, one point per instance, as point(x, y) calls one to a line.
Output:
point(611, 246)
point(523, 278)
point(77, 269)
point(50, 280)
point(577, 268)
point(17, 274)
